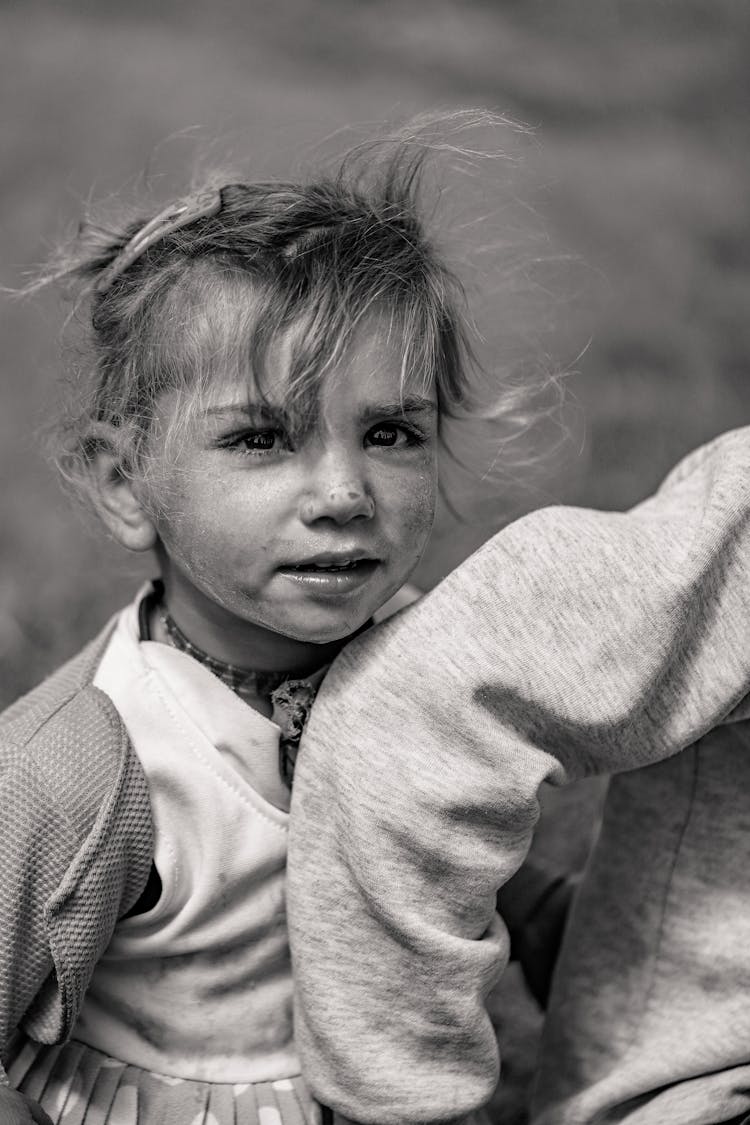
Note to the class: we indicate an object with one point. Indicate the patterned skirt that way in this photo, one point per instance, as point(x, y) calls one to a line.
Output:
point(78, 1085)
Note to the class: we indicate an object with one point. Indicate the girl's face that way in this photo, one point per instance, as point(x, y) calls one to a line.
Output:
point(273, 543)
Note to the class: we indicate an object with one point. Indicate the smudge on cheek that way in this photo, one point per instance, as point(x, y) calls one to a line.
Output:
point(415, 515)
point(422, 499)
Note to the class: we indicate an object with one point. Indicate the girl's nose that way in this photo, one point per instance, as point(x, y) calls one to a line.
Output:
point(340, 502)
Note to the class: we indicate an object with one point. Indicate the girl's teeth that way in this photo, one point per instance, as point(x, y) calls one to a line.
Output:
point(329, 567)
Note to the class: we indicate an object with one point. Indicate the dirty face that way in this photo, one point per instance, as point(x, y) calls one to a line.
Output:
point(269, 530)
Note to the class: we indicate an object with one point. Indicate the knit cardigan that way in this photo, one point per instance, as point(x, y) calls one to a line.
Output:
point(76, 844)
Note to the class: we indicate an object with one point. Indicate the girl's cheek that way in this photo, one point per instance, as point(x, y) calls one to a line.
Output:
point(420, 503)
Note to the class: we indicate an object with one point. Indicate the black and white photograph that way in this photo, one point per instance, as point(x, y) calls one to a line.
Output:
point(375, 562)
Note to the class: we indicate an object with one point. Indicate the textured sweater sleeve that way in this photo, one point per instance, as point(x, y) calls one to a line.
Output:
point(572, 643)
point(34, 840)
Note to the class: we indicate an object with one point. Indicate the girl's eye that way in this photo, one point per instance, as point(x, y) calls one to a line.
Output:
point(389, 434)
point(258, 441)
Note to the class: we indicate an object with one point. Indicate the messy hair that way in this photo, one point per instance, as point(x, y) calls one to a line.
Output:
point(307, 260)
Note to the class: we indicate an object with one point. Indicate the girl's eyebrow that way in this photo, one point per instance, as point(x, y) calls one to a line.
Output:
point(267, 412)
point(409, 404)
point(248, 409)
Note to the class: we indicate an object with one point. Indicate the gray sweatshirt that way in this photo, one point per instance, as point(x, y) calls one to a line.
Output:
point(575, 642)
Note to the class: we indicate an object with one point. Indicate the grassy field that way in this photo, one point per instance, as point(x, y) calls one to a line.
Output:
point(631, 197)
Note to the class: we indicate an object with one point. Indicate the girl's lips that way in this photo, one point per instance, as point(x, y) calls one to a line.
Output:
point(320, 581)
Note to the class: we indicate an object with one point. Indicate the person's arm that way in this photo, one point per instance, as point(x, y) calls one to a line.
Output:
point(572, 643)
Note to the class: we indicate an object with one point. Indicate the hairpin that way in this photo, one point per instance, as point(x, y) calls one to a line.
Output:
point(171, 219)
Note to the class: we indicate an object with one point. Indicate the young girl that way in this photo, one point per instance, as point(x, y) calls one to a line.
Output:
point(271, 363)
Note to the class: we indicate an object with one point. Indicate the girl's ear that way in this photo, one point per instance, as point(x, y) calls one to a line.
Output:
point(117, 500)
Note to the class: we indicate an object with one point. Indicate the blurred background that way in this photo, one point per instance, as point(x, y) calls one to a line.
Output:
point(624, 220)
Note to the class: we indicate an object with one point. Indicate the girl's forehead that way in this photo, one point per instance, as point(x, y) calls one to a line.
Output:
point(373, 362)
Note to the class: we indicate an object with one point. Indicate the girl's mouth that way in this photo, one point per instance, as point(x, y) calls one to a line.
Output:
point(335, 577)
point(326, 567)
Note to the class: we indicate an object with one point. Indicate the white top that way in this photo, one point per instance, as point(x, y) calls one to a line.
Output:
point(199, 987)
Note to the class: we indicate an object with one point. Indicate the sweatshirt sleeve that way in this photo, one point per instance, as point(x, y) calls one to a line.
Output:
point(572, 643)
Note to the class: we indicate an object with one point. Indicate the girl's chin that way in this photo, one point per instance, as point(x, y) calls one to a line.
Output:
point(327, 637)
point(324, 632)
